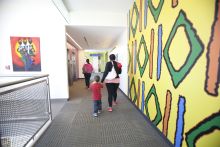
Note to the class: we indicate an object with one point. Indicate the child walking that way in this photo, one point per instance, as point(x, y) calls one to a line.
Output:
point(96, 95)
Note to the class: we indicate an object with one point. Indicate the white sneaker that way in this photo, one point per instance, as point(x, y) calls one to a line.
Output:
point(99, 111)
point(95, 114)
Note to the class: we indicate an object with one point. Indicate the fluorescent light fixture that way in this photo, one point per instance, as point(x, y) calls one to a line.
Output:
point(96, 50)
point(73, 40)
point(86, 41)
point(113, 48)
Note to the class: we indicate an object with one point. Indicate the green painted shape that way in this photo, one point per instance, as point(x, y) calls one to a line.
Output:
point(158, 116)
point(196, 49)
point(135, 93)
point(155, 11)
point(203, 128)
point(134, 29)
point(129, 55)
point(143, 67)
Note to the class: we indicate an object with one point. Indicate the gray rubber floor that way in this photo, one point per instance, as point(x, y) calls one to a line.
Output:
point(74, 125)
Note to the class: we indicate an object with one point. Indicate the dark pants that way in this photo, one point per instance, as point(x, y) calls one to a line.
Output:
point(112, 92)
point(87, 78)
point(97, 105)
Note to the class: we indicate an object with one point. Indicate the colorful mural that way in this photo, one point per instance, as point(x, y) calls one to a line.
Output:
point(26, 53)
point(174, 68)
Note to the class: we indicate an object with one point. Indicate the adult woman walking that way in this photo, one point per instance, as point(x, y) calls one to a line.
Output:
point(112, 80)
point(87, 71)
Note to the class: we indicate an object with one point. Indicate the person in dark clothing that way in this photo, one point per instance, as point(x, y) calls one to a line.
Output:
point(87, 71)
point(112, 80)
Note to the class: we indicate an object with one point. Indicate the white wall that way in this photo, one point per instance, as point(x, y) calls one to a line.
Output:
point(31, 18)
point(81, 62)
point(122, 51)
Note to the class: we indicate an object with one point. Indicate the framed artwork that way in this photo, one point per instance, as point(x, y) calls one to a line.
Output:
point(25, 53)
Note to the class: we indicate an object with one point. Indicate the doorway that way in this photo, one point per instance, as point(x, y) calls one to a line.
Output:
point(95, 63)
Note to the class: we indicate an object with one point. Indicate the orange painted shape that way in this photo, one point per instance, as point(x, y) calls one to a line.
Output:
point(151, 54)
point(167, 112)
point(213, 58)
point(174, 3)
point(140, 16)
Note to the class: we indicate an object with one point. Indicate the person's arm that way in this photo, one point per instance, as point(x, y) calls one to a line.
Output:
point(117, 69)
point(107, 69)
point(92, 68)
point(91, 85)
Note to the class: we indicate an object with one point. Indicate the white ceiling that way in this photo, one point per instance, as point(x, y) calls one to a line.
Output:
point(119, 6)
point(96, 37)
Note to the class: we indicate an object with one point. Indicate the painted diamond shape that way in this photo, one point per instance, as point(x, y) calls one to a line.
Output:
point(158, 116)
point(129, 55)
point(196, 49)
point(134, 28)
point(133, 86)
point(143, 67)
point(155, 11)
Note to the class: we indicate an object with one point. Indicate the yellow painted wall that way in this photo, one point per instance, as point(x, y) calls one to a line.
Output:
point(186, 74)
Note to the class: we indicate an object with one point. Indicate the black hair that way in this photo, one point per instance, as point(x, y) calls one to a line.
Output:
point(97, 78)
point(112, 57)
point(87, 60)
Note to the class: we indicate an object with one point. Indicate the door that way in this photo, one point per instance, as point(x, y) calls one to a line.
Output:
point(95, 63)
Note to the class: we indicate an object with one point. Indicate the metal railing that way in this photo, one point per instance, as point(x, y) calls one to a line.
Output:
point(25, 110)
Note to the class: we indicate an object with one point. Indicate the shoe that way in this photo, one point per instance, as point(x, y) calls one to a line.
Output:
point(99, 111)
point(109, 109)
point(95, 114)
point(114, 103)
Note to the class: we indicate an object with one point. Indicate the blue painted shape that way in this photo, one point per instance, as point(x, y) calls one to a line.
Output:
point(159, 57)
point(145, 13)
point(95, 54)
point(128, 86)
point(180, 122)
point(142, 103)
point(135, 56)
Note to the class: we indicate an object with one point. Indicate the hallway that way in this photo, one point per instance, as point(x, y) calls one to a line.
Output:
point(74, 125)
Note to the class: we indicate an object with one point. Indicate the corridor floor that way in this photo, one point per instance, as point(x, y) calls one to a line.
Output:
point(74, 125)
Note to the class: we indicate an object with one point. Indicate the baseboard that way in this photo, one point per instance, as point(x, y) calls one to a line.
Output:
point(147, 119)
point(80, 78)
point(59, 99)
